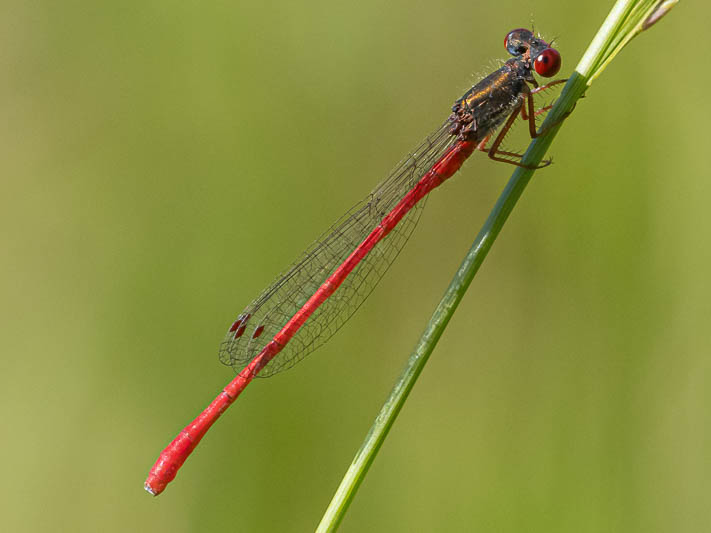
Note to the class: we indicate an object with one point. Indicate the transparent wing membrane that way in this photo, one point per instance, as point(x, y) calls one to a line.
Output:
point(267, 315)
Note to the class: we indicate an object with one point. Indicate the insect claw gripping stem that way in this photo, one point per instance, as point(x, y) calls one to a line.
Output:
point(297, 313)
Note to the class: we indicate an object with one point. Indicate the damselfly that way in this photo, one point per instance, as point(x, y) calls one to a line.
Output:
point(309, 302)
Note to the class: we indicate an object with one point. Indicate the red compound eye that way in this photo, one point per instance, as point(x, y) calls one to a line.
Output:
point(547, 63)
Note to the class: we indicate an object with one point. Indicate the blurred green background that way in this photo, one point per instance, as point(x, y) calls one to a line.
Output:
point(162, 162)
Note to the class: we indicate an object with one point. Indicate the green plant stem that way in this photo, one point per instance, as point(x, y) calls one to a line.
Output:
point(606, 44)
point(441, 316)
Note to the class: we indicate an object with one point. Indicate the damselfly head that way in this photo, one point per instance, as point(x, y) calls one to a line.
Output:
point(523, 43)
